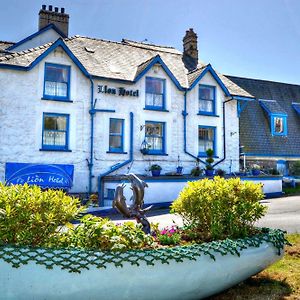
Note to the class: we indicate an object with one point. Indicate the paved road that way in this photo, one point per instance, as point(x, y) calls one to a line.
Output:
point(283, 213)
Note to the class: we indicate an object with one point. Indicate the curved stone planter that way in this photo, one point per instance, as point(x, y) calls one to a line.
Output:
point(192, 272)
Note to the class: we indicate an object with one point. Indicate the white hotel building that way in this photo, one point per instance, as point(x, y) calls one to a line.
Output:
point(103, 108)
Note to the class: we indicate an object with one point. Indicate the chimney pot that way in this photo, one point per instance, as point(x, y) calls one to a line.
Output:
point(44, 7)
point(53, 16)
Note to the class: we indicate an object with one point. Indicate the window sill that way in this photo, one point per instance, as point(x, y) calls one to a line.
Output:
point(116, 152)
point(205, 156)
point(55, 150)
point(161, 154)
point(203, 113)
point(156, 109)
point(56, 99)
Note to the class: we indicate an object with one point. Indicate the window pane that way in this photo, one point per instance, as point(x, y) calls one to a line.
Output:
point(56, 74)
point(155, 92)
point(115, 141)
point(154, 86)
point(56, 81)
point(56, 89)
point(115, 126)
point(278, 125)
point(54, 138)
point(154, 129)
point(206, 139)
point(50, 123)
point(154, 136)
point(206, 93)
point(55, 130)
point(206, 105)
point(156, 143)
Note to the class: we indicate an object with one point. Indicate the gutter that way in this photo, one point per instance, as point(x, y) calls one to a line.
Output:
point(184, 114)
point(224, 133)
point(117, 166)
point(92, 114)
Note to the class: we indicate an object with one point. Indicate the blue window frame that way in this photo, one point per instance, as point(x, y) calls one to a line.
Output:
point(206, 139)
point(57, 82)
point(55, 131)
point(207, 99)
point(155, 137)
point(279, 125)
point(155, 93)
point(116, 135)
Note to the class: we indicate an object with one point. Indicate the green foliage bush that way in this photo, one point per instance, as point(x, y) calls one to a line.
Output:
point(295, 169)
point(30, 216)
point(209, 160)
point(219, 208)
point(102, 234)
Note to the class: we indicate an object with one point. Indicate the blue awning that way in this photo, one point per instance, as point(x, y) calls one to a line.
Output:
point(296, 106)
point(46, 176)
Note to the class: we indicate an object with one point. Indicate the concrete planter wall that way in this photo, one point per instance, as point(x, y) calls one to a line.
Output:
point(151, 274)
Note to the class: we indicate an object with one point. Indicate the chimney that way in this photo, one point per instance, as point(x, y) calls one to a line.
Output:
point(59, 19)
point(190, 50)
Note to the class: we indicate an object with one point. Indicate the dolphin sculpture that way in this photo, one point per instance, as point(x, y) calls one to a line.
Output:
point(119, 202)
point(136, 209)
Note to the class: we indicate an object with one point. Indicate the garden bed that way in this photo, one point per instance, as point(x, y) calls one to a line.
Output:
point(182, 272)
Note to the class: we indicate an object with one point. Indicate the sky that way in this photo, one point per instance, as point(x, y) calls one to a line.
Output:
point(246, 38)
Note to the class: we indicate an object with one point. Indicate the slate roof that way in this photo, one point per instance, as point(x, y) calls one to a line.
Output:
point(4, 45)
point(255, 132)
point(120, 60)
point(271, 107)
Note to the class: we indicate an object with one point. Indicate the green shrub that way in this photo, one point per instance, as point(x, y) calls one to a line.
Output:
point(102, 234)
point(30, 216)
point(295, 169)
point(209, 160)
point(219, 208)
point(197, 171)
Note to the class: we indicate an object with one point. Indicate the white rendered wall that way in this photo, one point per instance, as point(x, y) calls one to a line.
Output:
point(160, 191)
point(21, 116)
point(21, 113)
point(43, 38)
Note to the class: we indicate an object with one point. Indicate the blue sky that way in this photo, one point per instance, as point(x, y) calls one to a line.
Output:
point(257, 38)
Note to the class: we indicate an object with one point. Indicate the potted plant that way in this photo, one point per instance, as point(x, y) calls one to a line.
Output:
point(179, 168)
point(255, 170)
point(220, 172)
point(155, 170)
point(209, 170)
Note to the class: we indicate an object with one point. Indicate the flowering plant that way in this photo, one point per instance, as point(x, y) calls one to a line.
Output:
point(169, 235)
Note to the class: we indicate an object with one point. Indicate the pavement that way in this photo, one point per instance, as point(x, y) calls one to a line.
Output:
point(283, 213)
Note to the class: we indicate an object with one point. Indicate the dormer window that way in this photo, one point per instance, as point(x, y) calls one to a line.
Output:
point(155, 93)
point(279, 125)
point(207, 99)
point(277, 117)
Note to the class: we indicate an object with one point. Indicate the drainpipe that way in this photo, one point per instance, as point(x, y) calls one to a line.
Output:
point(224, 133)
point(184, 114)
point(92, 114)
point(117, 166)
